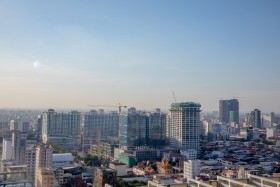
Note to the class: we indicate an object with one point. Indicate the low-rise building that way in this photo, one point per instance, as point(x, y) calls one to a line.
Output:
point(64, 174)
point(104, 176)
point(119, 167)
point(62, 160)
point(128, 159)
point(191, 169)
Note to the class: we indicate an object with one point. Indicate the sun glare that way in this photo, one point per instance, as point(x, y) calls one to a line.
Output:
point(36, 64)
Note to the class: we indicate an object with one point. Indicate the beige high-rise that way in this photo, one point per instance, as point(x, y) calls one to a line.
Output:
point(44, 176)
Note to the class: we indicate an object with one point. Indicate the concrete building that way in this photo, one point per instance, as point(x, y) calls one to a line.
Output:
point(119, 167)
point(44, 177)
point(156, 129)
point(190, 154)
point(185, 123)
point(43, 168)
point(16, 173)
point(19, 126)
point(18, 147)
point(105, 176)
point(271, 132)
point(5, 130)
point(168, 125)
point(106, 149)
point(255, 119)
point(250, 181)
point(229, 111)
point(62, 128)
point(7, 153)
point(267, 120)
point(30, 161)
point(39, 126)
point(62, 160)
point(44, 155)
point(64, 174)
point(133, 129)
point(191, 169)
point(127, 159)
point(107, 122)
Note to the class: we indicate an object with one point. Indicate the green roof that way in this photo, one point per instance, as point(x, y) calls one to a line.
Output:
point(185, 104)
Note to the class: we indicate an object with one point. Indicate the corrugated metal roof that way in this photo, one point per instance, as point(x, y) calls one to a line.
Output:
point(62, 157)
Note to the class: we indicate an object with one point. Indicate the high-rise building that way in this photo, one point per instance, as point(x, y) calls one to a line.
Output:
point(18, 147)
point(185, 123)
point(39, 127)
point(5, 130)
point(229, 111)
point(106, 122)
point(30, 161)
point(7, 153)
point(267, 120)
point(62, 128)
point(133, 130)
point(19, 126)
point(44, 176)
point(168, 125)
point(156, 129)
point(44, 155)
point(255, 119)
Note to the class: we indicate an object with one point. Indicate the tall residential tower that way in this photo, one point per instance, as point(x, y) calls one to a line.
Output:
point(184, 126)
point(62, 128)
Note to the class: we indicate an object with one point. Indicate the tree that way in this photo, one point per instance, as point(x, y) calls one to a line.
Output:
point(92, 160)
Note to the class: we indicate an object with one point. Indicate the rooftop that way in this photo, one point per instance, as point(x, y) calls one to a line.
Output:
point(185, 104)
point(62, 157)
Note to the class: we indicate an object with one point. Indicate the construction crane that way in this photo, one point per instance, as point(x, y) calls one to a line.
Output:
point(174, 97)
point(99, 149)
point(111, 106)
point(119, 106)
point(83, 143)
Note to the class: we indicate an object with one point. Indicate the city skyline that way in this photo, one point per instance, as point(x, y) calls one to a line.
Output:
point(71, 54)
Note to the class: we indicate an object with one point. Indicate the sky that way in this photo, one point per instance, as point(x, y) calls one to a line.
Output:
point(71, 54)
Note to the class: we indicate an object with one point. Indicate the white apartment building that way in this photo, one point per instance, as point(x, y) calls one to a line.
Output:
point(271, 132)
point(7, 150)
point(185, 125)
point(62, 128)
point(267, 120)
point(191, 169)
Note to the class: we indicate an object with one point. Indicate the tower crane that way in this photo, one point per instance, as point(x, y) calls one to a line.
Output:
point(99, 150)
point(174, 97)
point(118, 106)
point(120, 110)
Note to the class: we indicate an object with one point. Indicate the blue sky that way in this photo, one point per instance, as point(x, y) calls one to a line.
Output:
point(68, 54)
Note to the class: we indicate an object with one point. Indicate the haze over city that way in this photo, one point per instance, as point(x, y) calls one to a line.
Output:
point(69, 54)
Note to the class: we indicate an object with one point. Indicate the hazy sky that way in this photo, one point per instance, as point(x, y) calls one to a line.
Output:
point(68, 54)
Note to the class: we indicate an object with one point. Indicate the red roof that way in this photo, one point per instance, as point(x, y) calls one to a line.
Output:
point(117, 163)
